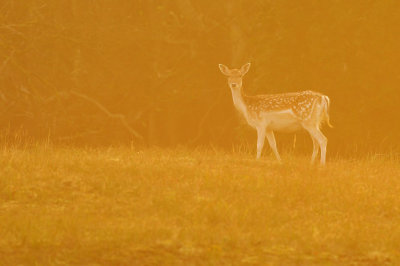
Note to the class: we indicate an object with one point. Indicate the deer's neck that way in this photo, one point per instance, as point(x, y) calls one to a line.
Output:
point(238, 101)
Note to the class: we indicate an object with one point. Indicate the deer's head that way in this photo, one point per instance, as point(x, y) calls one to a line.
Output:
point(235, 76)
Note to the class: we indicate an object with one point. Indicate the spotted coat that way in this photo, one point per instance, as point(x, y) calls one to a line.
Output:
point(300, 103)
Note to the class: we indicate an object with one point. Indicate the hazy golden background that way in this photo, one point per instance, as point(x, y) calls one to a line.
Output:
point(108, 72)
point(112, 80)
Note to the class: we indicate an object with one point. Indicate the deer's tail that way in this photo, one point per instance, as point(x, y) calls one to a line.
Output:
point(326, 103)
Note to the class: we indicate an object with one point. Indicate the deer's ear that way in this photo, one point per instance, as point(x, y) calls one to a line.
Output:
point(245, 68)
point(224, 69)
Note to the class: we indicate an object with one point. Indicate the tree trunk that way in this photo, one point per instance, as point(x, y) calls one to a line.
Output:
point(238, 42)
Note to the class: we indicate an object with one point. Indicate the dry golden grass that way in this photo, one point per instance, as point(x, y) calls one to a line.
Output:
point(121, 206)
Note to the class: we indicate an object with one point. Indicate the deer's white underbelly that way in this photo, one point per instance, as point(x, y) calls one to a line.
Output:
point(281, 121)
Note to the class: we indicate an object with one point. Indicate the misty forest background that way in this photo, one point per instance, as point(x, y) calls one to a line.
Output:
point(145, 72)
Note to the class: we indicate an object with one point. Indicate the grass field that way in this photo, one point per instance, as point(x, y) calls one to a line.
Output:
point(122, 206)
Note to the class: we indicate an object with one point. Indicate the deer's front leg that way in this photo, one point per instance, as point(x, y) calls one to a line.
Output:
point(272, 144)
point(260, 140)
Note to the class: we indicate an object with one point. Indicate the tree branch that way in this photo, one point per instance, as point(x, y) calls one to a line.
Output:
point(119, 117)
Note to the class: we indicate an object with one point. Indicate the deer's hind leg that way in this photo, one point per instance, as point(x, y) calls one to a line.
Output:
point(315, 149)
point(312, 126)
point(316, 134)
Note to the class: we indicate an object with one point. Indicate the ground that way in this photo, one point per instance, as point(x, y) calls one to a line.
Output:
point(127, 206)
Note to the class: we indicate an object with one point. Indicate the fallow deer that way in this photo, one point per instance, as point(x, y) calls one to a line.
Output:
point(280, 112)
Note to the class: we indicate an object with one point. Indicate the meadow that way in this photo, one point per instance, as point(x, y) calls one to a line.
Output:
point(128, 206)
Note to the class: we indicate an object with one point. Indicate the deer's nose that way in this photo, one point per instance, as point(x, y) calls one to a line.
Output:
point(234, 85)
